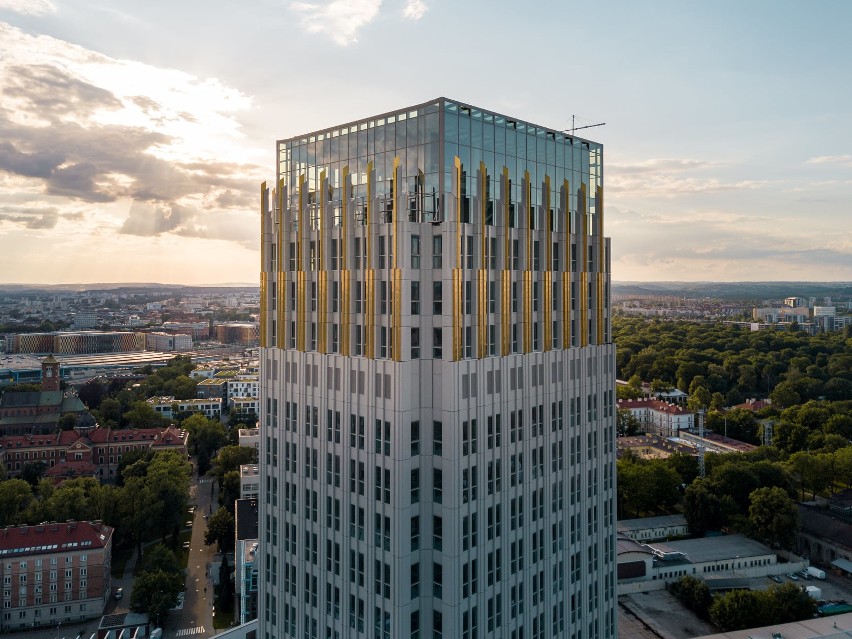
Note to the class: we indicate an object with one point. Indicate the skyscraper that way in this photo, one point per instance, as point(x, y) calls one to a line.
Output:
point(437, 382)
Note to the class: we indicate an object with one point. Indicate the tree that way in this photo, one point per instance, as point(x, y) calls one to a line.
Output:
point(788, 602)
point(230, 489)
point(33, 472)
point(220, 529)
point(67, 422)
point(16, 495)
point(156, 592)
point(737, 609)
point(159, 557)
point(168, 485)
point(694, 593)
point(231, 458)
point(626, 423)
point(143, 415)
point(773, 517)
point(785, 395)
point(702, 508)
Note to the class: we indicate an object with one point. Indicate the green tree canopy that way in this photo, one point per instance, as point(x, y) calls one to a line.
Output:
point(773, 517)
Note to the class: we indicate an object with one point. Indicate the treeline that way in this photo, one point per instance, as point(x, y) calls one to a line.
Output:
point(789, 366)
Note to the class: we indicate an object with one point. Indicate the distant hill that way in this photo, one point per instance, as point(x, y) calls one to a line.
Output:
point(19, 289)
point(736, 290)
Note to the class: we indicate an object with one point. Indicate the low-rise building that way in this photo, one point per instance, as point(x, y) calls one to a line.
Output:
point(167, 406)
point(211, 387)
point(249, 481)
point(655, 416)
point(243, 386)
point(165, 342)
point(54, 573)
point(649, 529)
point(244, 405)
point(249, 437)
point(94, 452)
point(246, 557)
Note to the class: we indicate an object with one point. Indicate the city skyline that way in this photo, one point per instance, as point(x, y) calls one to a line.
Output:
point(135, 138)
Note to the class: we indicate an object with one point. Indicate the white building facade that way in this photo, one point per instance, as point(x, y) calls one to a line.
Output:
point(437, 382)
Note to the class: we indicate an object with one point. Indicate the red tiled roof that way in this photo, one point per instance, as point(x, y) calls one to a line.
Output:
point(26, 441)
point(654, 404)
point(72, 468)
point(53, 538)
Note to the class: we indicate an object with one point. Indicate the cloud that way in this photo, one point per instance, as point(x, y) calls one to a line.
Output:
point(29, 7)
point(78, 126)
point(415, 9)
point(339, 20)
point(670, 178)
point(831, 159)
point(36, 217)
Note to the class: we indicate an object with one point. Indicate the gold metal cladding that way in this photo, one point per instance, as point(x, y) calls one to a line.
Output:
point(263, 263)
point(322, 307)
point(301, 225)
point(527, 208)
point(566, 309)
point(457, 314)
point(322, 196)
point(601, 263)
point(506, 283)
point(282, 274)
point(396, 351)
point(458, 173)
point(345, 329)
point(482, 341)
point(281, 341)
point(583, 294)
point(547, 224)
point(395, 211)
point(302, 303)
point(548, 310)
point(506, 312)
point(370, 314)
point(566, 266)
point(344, 217)
point(527, 311)
point(345, 280)
point(483, 206)
point(368, 255)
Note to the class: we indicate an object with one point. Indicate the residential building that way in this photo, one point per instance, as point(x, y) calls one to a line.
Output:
point(54, 573)
point(237, 333)
point(249, 437)
point(249, 481)
point(244, 405)
point(659, 417)
point(437, 382)
point(212, 387)
point(90, 452)
point(210, 407)
point(243, 386)
point(78, 343)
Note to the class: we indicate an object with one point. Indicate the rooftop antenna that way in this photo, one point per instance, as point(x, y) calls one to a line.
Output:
point(577, 128)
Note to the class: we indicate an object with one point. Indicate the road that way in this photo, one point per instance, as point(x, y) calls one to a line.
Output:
point(195, 620)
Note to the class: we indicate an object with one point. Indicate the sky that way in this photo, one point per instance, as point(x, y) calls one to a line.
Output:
point(134, 135)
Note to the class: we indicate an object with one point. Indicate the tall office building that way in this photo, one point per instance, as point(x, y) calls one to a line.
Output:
point(437, 382)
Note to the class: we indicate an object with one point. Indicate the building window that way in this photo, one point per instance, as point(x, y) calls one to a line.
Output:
point(415, 297)
point(415, 342)
point(437, 298)
point(415, 251)
point(437, 251)
point(437, 343)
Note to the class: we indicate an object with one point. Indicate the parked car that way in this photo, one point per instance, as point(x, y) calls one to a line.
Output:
point(792, 576)
point(119, 593)
point(775, 578)
point(189, 524)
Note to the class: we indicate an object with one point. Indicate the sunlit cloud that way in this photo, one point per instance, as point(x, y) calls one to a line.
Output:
point(831, 159)
point(78, 126)
point(340, 20)
point(29, 7)
point(415, 9)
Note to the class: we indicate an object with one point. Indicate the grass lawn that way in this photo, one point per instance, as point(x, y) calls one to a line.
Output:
point(120, 556)
point(222, 618)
